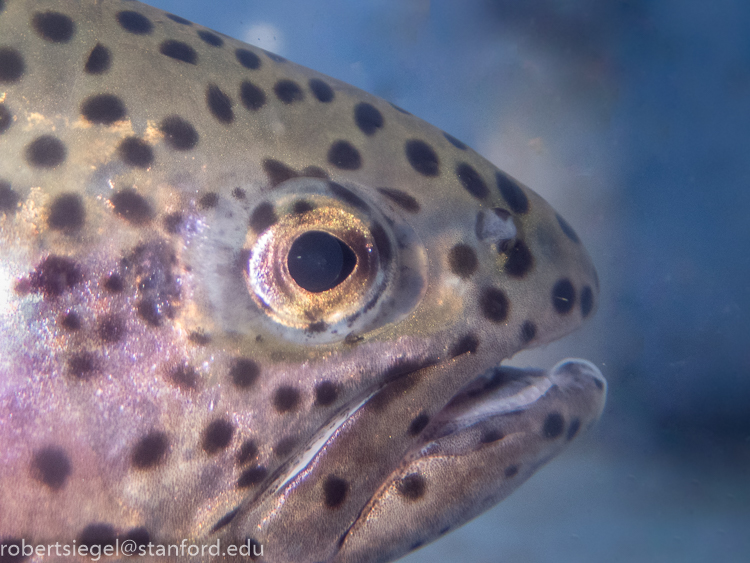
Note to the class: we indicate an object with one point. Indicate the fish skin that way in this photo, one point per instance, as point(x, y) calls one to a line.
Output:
point(158, 377)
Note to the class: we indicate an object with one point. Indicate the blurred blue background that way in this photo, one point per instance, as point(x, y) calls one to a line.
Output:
point(632, 117)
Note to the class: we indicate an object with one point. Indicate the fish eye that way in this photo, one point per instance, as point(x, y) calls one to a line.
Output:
point(323, 262)
point(318, 261)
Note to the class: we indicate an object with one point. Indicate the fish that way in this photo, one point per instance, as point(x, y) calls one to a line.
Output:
point(248, 311)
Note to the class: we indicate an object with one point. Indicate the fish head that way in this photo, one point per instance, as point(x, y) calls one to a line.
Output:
point(235, 291)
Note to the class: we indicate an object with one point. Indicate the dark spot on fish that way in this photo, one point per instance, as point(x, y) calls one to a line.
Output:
point(51, 466)
point(131, 206)
point(12, 66)
point(150, 451)
point(247, 58)
point(149, 311)
point(467, 345)
point(511, 471)
point(252, 476)
point(422, 157)
point(179, 51)
point(512, 193)
point(99, 60)
point(219, 104)
point(8, 198)
point(335, 490)
point(278, 172)
point(400, 378)
point(519, 260)
point(217, 436)
point(288, 91)
point(103, 109)
point(563, 296)
point(553, 426)
point(494, 304)
point(315, 172)
point(178, 133)
point(402, 199)
point(301, 206)
point(286, 398)
point(348, 196)
point(136, 152)
point(244, 372)
point(239, 193)
point(45, 151)
point(82, 365)
point(111, 329)
point(113, 283)
point(210, 38)
point(471, 181)
point(317, 327)
point(135, 23)
point(139, 536)
point(462, 260)
point(325, 393)
point(66, 213)
point(55, 275)
point(418, 424)
point(254, 548)
point(412, 487)
point(416, 545)
point(321, 90)
point(285, 447)
point(252, 97)
point(263, 216)
point(343, 155)
point(6, 118)
point(353, 338)
point(208, 200)
point(184, 376)
point(598, 383)
point(248, 451)
point(98, 534)
point(53, 26)
point(173, 222)
point(528, 331)
point(199, 338)
point(71, 321)
point(368, 118)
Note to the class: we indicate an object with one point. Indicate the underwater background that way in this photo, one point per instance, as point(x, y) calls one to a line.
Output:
point(632, 118)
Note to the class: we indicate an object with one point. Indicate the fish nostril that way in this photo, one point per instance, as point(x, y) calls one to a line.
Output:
point(319, 261)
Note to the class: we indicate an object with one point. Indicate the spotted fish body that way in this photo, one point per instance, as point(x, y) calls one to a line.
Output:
point(173, 367)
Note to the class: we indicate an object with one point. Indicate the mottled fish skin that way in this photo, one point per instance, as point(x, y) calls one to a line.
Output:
point(163, 374)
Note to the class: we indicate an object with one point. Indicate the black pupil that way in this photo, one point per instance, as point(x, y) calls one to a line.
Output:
point(319, 261)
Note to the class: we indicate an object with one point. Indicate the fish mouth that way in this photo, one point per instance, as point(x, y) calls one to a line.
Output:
point(424, 413)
